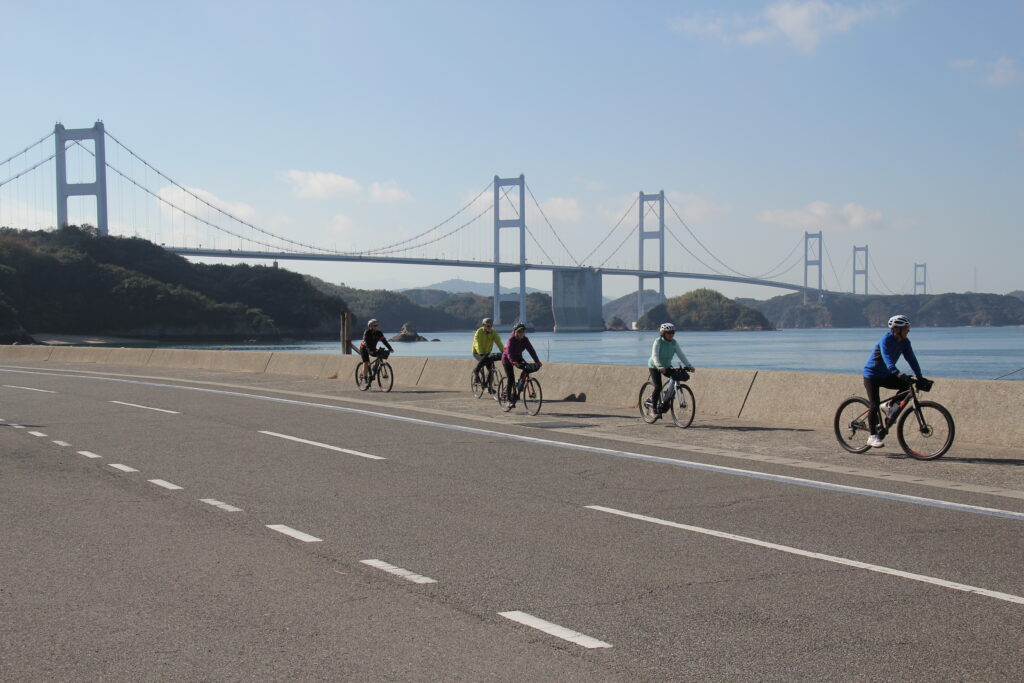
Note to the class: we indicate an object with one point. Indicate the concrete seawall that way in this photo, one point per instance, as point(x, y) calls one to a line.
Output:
point(985, 411)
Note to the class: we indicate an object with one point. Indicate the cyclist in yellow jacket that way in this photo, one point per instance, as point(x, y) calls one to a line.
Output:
point(484, 340)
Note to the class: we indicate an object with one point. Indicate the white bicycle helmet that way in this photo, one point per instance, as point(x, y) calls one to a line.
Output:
point(487, 321)
point(371, 322)
point(667, 327)
point(899, 321)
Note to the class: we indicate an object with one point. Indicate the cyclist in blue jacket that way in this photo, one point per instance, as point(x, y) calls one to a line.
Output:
point(880, 370)
point(660, 363)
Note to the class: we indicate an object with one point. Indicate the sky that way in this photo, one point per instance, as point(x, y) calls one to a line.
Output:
point(353, 125)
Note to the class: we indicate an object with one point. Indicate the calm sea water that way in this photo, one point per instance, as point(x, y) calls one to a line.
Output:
point(967, 352)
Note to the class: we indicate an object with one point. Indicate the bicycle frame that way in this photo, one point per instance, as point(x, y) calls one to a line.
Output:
point(905, 397)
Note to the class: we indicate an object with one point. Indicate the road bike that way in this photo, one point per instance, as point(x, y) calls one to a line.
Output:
point(380, 371)
point(924, 429)
point(676, 399)
point(526, 388)
point(483, 381)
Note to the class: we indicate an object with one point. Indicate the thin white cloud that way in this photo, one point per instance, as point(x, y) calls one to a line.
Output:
point(320, 185)
point(562, 209)
point(1003, 71)
point(343, 225)
point(963, 63)
point(183, 200)
point(803, 24)
point(849, 217)
point(388, 192)
point(692, 208)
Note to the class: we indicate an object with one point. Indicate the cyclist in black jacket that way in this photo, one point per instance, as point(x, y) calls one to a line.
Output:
point(368, 347)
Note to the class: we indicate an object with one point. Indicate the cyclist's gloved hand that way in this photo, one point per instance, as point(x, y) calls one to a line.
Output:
point(689, 368)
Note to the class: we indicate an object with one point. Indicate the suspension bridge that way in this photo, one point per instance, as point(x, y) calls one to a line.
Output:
point(122, 193)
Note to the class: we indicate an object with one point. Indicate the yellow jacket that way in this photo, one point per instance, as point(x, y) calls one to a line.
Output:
point(483, 340)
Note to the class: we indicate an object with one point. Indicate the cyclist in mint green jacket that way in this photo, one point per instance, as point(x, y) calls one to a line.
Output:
point(664, 349)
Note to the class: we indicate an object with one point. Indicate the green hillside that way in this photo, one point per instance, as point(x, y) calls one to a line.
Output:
point(704, 309)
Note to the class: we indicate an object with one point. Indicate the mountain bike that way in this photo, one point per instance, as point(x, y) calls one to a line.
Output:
point(380, 370)
point(526, 388)
point(676, 398)
point(484, 380)
point(925, 429)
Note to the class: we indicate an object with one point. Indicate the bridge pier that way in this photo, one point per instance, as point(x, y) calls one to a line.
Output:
point(576, 300)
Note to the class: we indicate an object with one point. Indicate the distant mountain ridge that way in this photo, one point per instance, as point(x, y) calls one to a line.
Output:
point(458, 286)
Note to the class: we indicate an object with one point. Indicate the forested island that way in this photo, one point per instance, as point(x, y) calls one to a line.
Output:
point(72, 281)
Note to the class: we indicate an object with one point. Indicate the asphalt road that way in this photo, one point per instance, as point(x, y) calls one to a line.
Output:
point(262, 529)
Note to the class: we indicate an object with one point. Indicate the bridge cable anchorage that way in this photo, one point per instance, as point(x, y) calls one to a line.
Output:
point(34, 144)
point(879, 276)
point(537, 204)
point(211, 205)
point(28, 170)
point(431, 229)
point(423, 244)
point(616, 250)
point(614, 227)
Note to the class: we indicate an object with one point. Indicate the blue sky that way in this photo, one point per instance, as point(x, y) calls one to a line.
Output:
point(896, 125)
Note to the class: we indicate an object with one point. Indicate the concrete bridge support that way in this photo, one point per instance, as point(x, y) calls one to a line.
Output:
point(576, 300)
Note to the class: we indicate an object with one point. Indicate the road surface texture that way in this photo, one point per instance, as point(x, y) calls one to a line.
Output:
point(174, 524)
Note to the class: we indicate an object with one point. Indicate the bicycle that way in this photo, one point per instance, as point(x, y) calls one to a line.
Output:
point(380, 370)
point(526, 388)
point(674, 388)
point(925, 436)
point(480, 383)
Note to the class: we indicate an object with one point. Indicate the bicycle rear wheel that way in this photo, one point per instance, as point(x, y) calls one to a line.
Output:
point(685, 406)
point(385, 377)
point(503, 401)
point(362, 382)
point(851, 424)
point(533, 397)
point(647, 411)
point(926, 433)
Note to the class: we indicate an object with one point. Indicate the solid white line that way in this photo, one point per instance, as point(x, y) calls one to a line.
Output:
point(294, 533)
point(65, 444)
point(218, 504)
point(88, 454)
point(324, 445)
point(398, 571)
point(1008, 597)
point(123, 468)
point(18, 426)
point(554, 629)
point(42, 391)
point(37, 434)
point(166, 484)
point(136, 405)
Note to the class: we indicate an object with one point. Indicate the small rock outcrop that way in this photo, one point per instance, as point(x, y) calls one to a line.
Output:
point(407, 334)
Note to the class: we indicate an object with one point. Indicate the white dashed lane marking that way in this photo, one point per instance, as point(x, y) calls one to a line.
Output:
point(218, 504)
point(37, 434)
point(41, 391)
point(554, 629)
point(1007, 597)
point(165, 484)
point(63, 444)
point(323, 445)
point(294, 533)
point(123, 468)
point(136, 405)
point(398, 571)
point(88, 454)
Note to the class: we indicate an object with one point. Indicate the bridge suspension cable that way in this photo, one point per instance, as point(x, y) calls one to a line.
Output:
point(616, 250)
point(881, 279)
point(614, 227)
point(835, 274)
point(557, 237)
point(37, 142)
point(27, 170)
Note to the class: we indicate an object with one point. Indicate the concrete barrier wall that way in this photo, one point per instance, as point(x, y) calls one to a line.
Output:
point(985, 411)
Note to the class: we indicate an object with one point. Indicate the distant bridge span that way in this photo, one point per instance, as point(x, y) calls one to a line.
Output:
point(458, 263)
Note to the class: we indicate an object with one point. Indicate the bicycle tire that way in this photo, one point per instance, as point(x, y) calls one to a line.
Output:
point(533, 396)
point(476, 385)
point(851, 424)
point(647, 412)
point(385, 377)
point(686, 404)
point(361, 382)
point(503, 402)
point(931, 441)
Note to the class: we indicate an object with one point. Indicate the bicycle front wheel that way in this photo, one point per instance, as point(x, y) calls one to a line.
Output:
point(646, 402)
point(476, 385)
point(533, 397)
point(851, 424)
point(926, 433)
point(362, 382)
point(503, 401)
point(685, 406)
point(385, 377)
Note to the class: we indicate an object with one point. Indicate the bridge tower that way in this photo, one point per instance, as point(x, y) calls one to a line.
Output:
point(518, 223)
point(862, 269)
point(97, 188)
point(659, 235)
point(812, 257)
point(921, 277)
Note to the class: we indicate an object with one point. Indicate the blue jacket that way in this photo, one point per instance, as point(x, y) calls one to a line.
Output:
point(882, 363)
point(662, 353)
